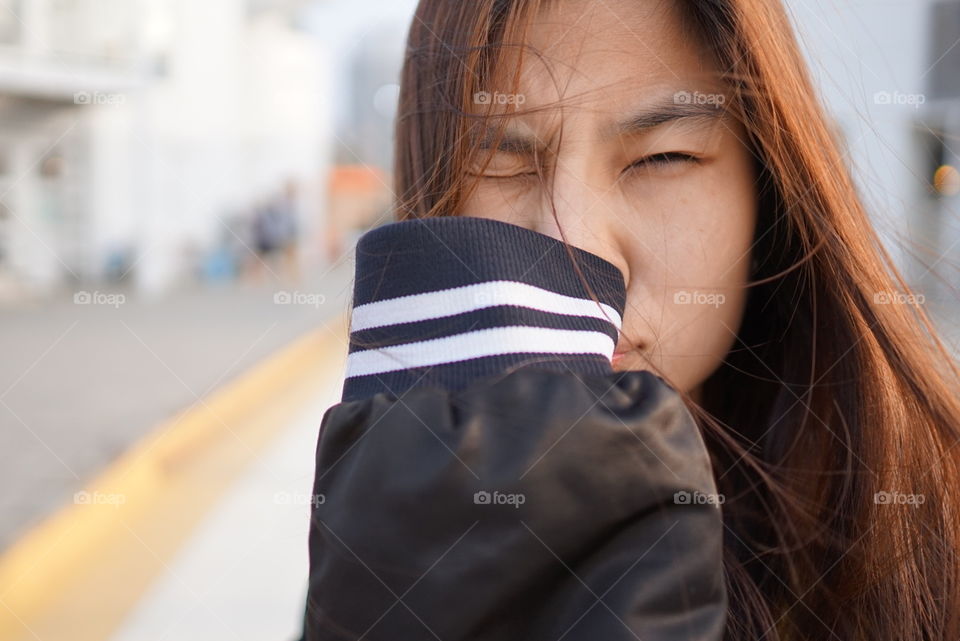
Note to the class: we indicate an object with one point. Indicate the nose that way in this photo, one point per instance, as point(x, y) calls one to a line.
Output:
point(579, 196)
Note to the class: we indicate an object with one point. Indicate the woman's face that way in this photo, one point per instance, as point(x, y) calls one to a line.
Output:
point(649, 174)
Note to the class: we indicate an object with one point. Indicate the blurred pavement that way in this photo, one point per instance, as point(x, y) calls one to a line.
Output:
point(80, 383)
point(243, 574)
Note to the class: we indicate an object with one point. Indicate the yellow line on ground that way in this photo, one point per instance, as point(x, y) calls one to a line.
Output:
point(78, 573)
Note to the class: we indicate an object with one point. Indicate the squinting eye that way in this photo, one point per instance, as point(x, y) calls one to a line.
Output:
point(503, 166)
point(662, 160)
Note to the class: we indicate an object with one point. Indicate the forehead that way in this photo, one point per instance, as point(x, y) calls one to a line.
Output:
point(603, 52)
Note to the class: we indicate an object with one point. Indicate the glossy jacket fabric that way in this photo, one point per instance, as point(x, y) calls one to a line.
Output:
point(540, 502)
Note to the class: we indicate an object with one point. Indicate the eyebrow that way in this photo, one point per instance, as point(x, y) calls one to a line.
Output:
point(664, 112)
point(511, 143)
point(641, 121)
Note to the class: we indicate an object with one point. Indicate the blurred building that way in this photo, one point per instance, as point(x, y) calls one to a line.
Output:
point(940, 141)
point(889, 73)
point(359, 198)
point(368, 121)
point(131, 129)
point(370, 39)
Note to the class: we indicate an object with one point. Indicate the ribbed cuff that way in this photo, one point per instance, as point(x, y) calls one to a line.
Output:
point(445, 301)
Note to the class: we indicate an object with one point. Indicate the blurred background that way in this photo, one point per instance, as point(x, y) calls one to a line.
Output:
point(181, 186)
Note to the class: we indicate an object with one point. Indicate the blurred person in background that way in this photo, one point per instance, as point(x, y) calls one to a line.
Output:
point(275, 234)
point(288, 203)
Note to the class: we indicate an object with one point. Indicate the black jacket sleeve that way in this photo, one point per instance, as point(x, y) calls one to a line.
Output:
point(538, 502)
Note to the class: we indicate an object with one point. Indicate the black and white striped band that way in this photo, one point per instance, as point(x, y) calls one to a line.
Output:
point(444, 301)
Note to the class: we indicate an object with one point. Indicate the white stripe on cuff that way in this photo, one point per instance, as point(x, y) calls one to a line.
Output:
point(458, 300)
point(484, 342)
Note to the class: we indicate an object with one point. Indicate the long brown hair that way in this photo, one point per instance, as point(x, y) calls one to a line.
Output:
point(831, 406)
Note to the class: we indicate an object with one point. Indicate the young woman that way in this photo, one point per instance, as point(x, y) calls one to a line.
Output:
point(671, 157)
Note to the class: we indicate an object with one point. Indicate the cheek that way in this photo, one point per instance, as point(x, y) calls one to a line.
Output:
point(704, 273)
point(505, 200)
point(700, 335)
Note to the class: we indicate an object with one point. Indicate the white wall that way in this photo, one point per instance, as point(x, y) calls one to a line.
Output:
point(244, 104)
point(242, 109)
point(32, 233)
